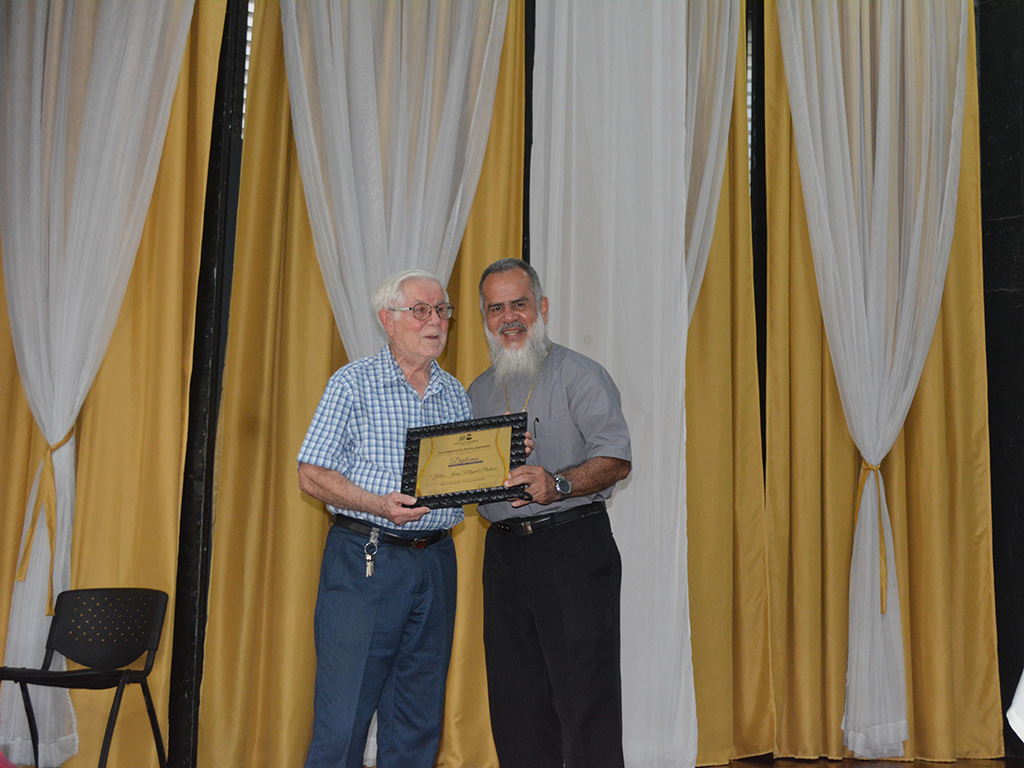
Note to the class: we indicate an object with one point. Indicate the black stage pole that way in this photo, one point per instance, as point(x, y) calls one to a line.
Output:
point(214, 287)
point(530, 18)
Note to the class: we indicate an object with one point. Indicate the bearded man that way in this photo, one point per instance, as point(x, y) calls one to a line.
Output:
point(551, 570)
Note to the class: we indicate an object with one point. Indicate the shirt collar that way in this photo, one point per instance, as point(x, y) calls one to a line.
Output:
point(393, 371)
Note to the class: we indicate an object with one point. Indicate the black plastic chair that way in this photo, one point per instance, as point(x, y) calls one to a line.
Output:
point(105, 631)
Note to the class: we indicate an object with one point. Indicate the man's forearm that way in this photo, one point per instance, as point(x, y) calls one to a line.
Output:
point(334, 488)
point(591, 476)
point(596, 474)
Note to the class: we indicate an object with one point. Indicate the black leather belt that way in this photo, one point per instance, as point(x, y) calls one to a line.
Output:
point(524, 526)
point(429, 537)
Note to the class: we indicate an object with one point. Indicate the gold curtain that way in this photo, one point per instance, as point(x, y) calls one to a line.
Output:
point(266, 620)
point(936, 477)
point(257, 690)
point(494, 231)
point(282, 347)
point(726, 531)
point(131, 431)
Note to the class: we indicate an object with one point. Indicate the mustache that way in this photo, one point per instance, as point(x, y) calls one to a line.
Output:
point(517, 324)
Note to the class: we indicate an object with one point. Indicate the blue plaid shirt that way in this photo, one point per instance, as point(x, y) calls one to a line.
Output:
point(359, 429)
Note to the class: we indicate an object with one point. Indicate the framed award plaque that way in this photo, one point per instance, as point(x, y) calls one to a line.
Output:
point(464, 462)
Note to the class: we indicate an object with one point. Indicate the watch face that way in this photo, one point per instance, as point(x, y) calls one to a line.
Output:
point(563, 486)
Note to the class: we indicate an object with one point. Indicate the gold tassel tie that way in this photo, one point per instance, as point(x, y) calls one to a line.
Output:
point(46, 497)
point(883, 566)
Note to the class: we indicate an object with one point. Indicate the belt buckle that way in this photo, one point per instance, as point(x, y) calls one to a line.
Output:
point(527, 527)
point(419, 544)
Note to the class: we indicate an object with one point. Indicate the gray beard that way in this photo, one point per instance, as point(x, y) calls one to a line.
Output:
point(519, 365)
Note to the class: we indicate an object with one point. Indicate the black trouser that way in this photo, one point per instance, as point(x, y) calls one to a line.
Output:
point(551, 636)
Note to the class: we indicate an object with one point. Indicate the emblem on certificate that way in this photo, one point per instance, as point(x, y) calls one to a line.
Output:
point(464, 462)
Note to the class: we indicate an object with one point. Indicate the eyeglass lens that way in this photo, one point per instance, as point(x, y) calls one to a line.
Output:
point(422, 310)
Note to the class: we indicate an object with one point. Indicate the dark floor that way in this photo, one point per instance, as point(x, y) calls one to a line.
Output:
point(766, 761)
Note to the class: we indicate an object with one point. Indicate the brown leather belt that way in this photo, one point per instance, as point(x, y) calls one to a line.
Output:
point(428, 537)
point(524, 526)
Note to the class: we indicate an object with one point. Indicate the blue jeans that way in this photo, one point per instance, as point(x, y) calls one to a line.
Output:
point(382, 643)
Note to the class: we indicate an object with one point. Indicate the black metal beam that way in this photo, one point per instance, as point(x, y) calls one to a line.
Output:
point(530, 44)
point(1000, 30)
point(758, 197)
point(214, 288)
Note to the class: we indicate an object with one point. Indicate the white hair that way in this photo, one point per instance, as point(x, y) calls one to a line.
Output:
point(390, 293)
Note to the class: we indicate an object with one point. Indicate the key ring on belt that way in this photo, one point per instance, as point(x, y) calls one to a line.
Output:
point(370, 550)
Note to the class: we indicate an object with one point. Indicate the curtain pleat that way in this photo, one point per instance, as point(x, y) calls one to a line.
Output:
point(257, 690)
point(726, 527)
point(282, 347)
point(85, 96)
point(391, 105)
point(494, 231)
point(609, 177)
point(132, 425)
point(877, 95)
point(937, 482)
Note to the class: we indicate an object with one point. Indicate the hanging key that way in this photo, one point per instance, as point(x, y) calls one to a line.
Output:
point(370, 550)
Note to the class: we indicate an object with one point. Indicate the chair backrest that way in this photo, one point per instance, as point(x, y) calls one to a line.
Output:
point(107, 628)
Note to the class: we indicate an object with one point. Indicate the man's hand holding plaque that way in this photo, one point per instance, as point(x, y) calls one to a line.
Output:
point(464, 462)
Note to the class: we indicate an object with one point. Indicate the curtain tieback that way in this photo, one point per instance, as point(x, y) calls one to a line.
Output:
point(46, 497)
point(883, 566)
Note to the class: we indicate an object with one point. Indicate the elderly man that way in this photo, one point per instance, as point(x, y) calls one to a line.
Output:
point(385, 611)
point(551, 568)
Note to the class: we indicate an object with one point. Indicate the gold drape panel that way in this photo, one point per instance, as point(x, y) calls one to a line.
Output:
point(726, 532)
point(131, 431)
point(763, 684)
point(494, 231)
point(261, 626)
point(936, 477)
point(282, 347)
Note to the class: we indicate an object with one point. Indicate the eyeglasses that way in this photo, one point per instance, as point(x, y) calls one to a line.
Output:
point(421, 310)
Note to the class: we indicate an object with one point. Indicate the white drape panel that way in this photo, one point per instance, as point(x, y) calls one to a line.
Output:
point(1015, 714)
point(85, 96)
point(877, 96)
point(391, 108)
point(712, 37)
point(631, 113)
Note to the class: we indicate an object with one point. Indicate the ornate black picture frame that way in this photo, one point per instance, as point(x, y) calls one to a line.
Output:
point(516, 457)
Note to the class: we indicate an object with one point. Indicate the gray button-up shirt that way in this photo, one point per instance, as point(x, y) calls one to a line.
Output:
point(574, 413)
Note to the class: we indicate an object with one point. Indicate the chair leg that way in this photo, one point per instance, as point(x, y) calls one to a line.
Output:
point(31, 716)
point(157, 737)
point(110, 724)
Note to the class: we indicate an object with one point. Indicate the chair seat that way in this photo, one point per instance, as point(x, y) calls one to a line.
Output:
point(94, 679)
point(106, 632)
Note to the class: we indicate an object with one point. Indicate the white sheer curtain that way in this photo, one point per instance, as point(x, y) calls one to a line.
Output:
point(85, 95)
point(1015, 714)
point(877, 97)
point(631, 114)
point(712, 36)
point(391, 107)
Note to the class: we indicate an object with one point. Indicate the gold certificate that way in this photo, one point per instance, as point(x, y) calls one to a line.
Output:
point(465, 462)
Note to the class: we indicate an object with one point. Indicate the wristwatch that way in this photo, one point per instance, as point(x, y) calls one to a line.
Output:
point(562, 485)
